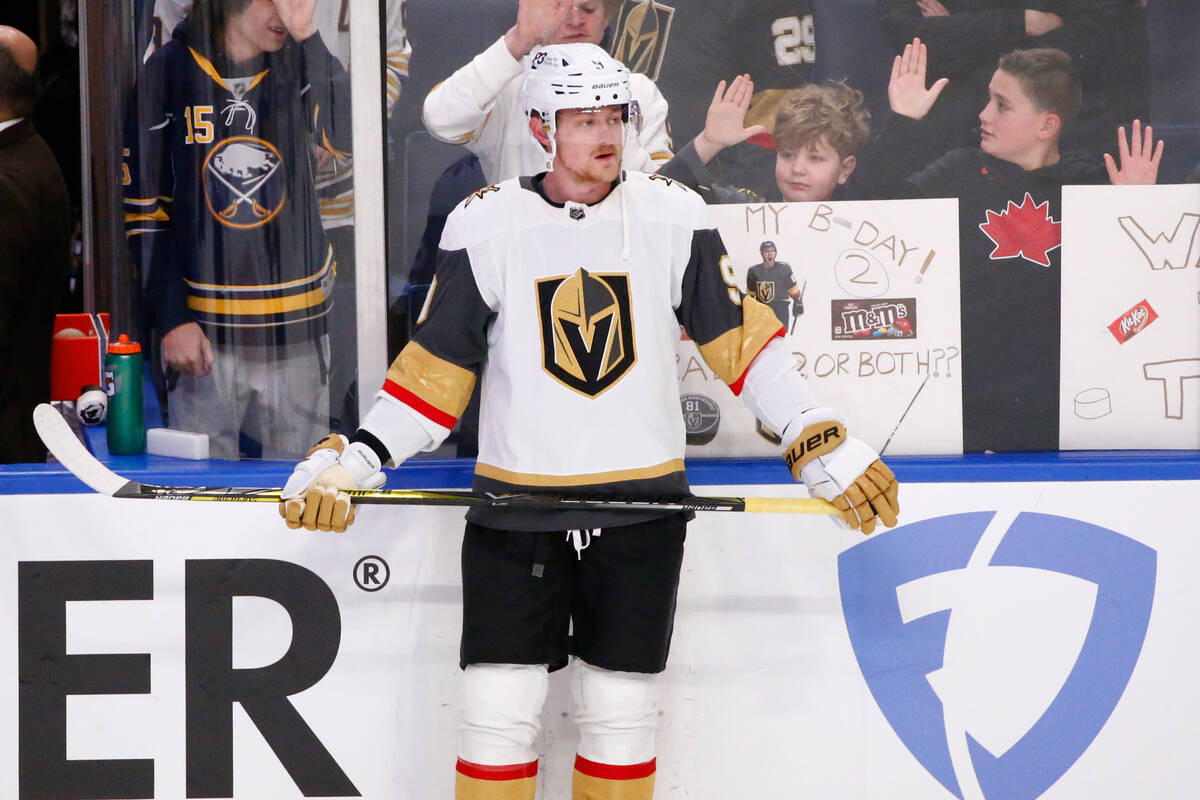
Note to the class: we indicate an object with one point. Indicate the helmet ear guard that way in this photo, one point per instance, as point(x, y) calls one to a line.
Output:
point(573, 76)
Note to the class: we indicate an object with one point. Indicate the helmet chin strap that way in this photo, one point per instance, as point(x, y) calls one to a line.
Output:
point(551, 130)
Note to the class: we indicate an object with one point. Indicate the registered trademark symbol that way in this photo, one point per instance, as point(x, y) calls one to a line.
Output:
point(371, 573)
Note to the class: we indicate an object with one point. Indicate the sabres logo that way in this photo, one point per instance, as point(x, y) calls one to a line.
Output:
point(587, 330)
point(244, 184)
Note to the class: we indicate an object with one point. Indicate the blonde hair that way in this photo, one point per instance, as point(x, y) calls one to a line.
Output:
point(832, 110)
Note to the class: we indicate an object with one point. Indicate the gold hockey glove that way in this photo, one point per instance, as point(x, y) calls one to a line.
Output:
point(315, 497)
point(845, 471)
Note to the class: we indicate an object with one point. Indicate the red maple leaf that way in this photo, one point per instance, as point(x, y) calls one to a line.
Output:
point(1024, 230)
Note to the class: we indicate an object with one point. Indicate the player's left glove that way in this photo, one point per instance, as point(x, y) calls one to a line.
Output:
point(843, 470)
point(315, 495)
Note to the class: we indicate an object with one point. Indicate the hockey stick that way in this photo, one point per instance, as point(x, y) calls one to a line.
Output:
point(905, 414)
point(72, 454)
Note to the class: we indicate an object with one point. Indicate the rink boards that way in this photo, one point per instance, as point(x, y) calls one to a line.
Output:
point(1017, 638)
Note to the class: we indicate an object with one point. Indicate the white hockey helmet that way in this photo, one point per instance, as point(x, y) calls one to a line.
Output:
point(578, 75)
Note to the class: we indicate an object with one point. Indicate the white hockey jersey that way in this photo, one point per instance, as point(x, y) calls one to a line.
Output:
point(572, 313)
point(480, 106)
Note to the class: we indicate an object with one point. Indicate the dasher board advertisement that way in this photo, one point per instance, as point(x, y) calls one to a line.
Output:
point(1004, 640)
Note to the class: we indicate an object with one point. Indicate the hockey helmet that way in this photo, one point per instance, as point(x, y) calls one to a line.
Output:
point(577, 75)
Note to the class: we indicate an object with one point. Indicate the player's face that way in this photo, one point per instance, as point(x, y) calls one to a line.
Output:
point(768, 255)
point(585, 23)
point(811, 173)
point(1009, 124)
point(589, 144)
point(257, 29)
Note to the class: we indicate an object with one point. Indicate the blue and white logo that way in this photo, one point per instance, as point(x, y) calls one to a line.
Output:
point(997, 647)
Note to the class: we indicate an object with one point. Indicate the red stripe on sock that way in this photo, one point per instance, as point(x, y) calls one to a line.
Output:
point(417, 404)
point(615, 772)
point(485, 772)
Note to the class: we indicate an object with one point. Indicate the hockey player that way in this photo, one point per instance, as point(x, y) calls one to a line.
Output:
point(773, 284)
point(567, 290)
point(222, 211)
point(480, 106)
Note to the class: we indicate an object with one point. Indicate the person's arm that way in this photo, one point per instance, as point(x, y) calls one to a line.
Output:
point(1088, 31)
point(722, 128)
point(723, 125)
point(147, 183)
point(457, 109)
point(427, 388)
point(399, 50)
point(14, 261)
point(324, 84)
point(977, 34)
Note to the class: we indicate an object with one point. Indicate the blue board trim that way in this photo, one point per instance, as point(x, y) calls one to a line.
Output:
point(1105, 465)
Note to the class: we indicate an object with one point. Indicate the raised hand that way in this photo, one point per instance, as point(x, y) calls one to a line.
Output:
point(932, 8)
point(723, 124)
point(1039, 23)
point(537, 20)
point(1139, 157)
point(906, 89)
point(297, 16)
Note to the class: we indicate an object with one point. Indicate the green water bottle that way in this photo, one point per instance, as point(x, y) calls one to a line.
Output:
point(123, 384)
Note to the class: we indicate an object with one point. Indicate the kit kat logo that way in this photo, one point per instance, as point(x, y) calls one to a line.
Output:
point(1132, 322)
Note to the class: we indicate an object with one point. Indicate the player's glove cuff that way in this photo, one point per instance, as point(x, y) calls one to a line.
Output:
point(845, 471)
point(821, 432)
point(363, 464)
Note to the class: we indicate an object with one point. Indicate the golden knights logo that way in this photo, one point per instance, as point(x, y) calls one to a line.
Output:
point(764, 292)
point(640, 36)
point(479, 193)
point(243, 184)
point(587, 330)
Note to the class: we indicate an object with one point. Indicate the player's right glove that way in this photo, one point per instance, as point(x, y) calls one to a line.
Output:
point(843, 470)
point(315, 498)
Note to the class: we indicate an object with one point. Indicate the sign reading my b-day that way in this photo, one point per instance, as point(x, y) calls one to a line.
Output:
point(1130, 370)
point(867, 293)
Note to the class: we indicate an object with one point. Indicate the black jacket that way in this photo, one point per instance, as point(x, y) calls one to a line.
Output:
point(35, 232)
point(1010, 282)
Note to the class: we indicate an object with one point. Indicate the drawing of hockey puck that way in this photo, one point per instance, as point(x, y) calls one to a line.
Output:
point(1093, 403)
point(701, 418)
